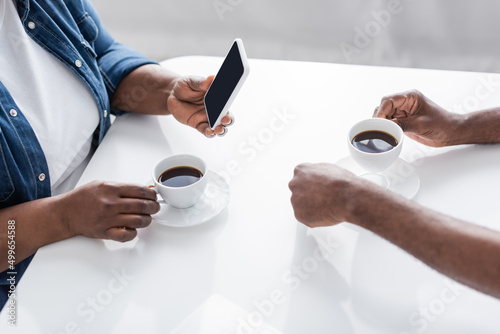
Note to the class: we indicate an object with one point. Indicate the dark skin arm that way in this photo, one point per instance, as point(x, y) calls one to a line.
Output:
point(325, 195)
point(97, 210)
point(430, 124)
point(152, 89)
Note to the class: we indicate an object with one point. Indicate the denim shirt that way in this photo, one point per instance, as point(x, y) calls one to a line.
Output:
point(71, 31)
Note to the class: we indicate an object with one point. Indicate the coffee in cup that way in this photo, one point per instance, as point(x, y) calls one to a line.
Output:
point(181, 176)
point(374, 141)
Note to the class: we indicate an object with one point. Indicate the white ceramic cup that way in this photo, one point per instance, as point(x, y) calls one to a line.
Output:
point(180, 197)
point(376, 162)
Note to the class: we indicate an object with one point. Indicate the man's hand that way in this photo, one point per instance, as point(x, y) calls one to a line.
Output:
point(185, 103)
point(104, 210)
point(154, 90)
point(325, 194)
point(421, 119)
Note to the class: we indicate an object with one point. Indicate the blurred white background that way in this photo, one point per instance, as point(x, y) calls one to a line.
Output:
point(438, 34)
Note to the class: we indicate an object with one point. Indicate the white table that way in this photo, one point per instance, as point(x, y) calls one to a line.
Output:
point(254, 269)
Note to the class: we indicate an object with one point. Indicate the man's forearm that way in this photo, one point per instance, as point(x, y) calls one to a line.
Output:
point(35, 224)
point(145, 90)
point(480, 127)
point(463, 251)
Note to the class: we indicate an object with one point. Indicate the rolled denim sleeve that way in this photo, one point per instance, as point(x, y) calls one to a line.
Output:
point(115, 60)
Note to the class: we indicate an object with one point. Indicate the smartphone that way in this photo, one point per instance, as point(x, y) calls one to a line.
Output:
point(227, 83)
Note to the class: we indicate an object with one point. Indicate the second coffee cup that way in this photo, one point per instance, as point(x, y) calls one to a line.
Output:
point(375, 143)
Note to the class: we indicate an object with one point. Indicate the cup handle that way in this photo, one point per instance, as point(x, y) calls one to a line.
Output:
point(159, 198)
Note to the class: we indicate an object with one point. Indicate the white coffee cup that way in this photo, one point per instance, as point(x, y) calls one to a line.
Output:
point(376, 162)
point(180, 197)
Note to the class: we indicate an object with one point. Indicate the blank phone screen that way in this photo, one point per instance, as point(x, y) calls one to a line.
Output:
point(224, 84)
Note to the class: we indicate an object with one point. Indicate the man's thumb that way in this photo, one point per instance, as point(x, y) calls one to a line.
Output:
point(203, 84)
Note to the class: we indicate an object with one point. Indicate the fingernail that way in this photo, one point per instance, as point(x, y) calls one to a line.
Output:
point(231, 122)
point(223, 133)
point(210, 136)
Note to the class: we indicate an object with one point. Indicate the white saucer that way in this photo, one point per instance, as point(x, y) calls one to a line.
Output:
point(403, 179)
point(212, 202)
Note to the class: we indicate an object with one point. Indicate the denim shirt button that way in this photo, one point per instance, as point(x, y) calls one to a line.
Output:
point(31, 25)
point(78, 63)
point(41, 177)
point(105, 113)
point(13, 112)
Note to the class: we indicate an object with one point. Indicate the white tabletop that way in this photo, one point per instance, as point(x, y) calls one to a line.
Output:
point(253, 268)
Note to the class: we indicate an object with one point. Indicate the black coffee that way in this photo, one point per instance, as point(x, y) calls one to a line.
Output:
point(180, 176)
point(374, 141)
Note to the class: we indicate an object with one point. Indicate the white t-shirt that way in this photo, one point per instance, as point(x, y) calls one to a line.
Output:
point(58, 105)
